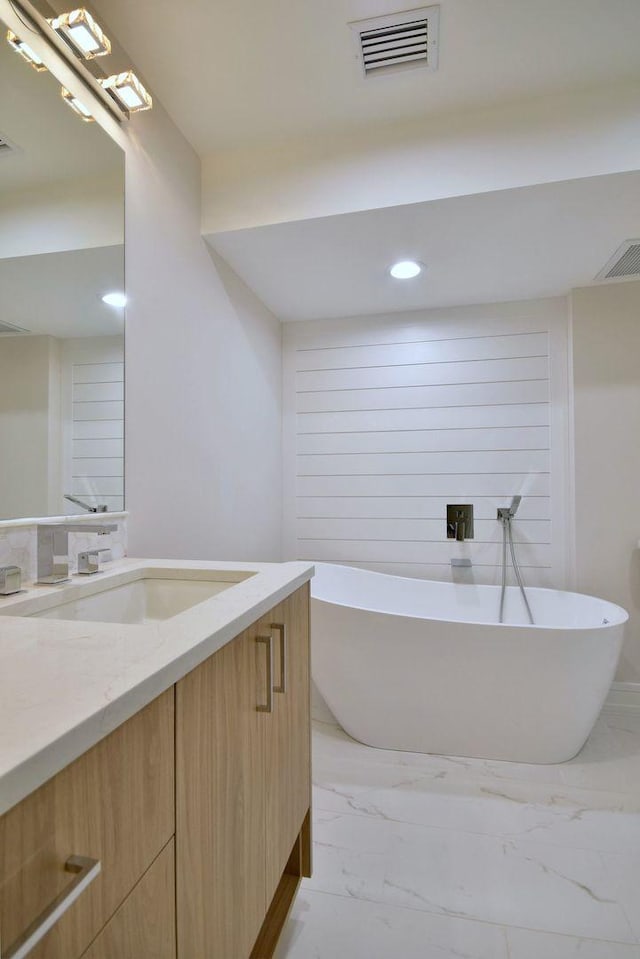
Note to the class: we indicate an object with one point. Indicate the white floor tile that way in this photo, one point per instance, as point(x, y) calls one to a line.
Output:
point(535, 885)
point(330, 927)
point(443, 857)
point(569, 817)
point(611, 757)
point(525, 944)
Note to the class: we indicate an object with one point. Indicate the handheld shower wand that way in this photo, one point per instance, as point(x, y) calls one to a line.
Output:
point(505, 516)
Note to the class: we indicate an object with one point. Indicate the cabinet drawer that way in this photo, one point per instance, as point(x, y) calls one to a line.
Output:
point(144, 926)
point(115, 805)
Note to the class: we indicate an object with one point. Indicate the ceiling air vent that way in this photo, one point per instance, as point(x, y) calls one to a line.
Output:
point(624, 264)
point(9, 328)
point(398, 42)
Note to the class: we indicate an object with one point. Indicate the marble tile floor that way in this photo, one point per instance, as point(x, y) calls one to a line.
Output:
point(431, 857)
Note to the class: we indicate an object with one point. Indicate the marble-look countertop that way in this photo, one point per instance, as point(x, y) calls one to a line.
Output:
point(65, 685)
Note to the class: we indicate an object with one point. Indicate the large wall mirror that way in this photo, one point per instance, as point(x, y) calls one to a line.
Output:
point(61, 345)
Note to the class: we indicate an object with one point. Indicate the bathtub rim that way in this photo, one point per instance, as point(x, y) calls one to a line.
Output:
point(620, 613)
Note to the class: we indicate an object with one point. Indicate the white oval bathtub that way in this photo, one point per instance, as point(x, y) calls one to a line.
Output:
point(425, 666)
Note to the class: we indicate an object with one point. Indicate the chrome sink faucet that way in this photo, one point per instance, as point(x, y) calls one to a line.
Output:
point(53, 548)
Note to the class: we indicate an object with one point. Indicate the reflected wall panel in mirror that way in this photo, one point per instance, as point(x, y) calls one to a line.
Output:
point(61, 346)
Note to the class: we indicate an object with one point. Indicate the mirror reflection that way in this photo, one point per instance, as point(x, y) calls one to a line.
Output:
point(61, 345)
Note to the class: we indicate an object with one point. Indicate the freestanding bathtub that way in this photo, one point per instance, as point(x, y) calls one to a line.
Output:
point(425, 666)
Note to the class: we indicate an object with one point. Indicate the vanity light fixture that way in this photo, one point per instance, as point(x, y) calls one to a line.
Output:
point(119, 300)
point(82, 33)
point(406, 269)
point(76, 105)
point(77, 36)
point(127, 91)
point(25, 51)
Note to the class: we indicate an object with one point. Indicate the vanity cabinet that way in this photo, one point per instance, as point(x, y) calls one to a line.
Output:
point(144, 927)
point(219, 803)
point(288, 741)
point(114, 805)
point(196, 808)
point(242, 813)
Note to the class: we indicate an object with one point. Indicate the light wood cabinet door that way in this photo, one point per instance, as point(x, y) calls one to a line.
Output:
point(220, 842)
point(115, 804)
point(287, 742)
point(144, 926)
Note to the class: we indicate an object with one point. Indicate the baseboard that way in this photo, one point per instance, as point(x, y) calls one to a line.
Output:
point(624, 694)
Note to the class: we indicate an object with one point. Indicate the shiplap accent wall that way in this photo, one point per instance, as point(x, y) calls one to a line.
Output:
point(94, 377)
point(388, 419)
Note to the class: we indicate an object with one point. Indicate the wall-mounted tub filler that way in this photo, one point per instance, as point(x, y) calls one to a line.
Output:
point(460, 521)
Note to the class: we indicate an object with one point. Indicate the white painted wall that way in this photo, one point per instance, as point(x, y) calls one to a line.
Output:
point(388, 419)
point(203, 373)
point(203, 370)
point(540, 141)
point(606, 384)
point(72, 215)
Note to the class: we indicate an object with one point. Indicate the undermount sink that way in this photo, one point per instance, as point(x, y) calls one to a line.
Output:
point(150, 597)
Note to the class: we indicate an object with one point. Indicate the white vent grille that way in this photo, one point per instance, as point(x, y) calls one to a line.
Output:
point(398, 42)
point(9, 328)
point(624, 264)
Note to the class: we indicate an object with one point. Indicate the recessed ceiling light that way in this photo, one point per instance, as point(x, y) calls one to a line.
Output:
point(116, 299)
point(406, 269)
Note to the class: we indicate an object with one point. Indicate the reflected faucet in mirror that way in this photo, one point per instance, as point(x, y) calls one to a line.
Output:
point(100, 508)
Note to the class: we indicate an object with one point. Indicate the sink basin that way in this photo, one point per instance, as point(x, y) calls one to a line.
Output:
point(150, 597)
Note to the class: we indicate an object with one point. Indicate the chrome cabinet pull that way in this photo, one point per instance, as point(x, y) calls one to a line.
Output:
point(268, 708)
point(282, 629)
point(85, 871)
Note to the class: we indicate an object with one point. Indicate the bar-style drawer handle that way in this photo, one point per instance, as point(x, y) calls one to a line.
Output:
point(268, 707)
point(282, 629)
point(85, 871)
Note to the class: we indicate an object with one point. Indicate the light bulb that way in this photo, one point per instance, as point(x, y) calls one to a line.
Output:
point(119, 300)
point(405, 269)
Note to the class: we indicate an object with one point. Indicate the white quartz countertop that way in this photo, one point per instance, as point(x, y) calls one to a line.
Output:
point(64, 685)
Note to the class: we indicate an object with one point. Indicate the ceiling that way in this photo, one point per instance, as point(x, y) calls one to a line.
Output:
point(233, 72)
point(516, 244)
point(59, 293)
